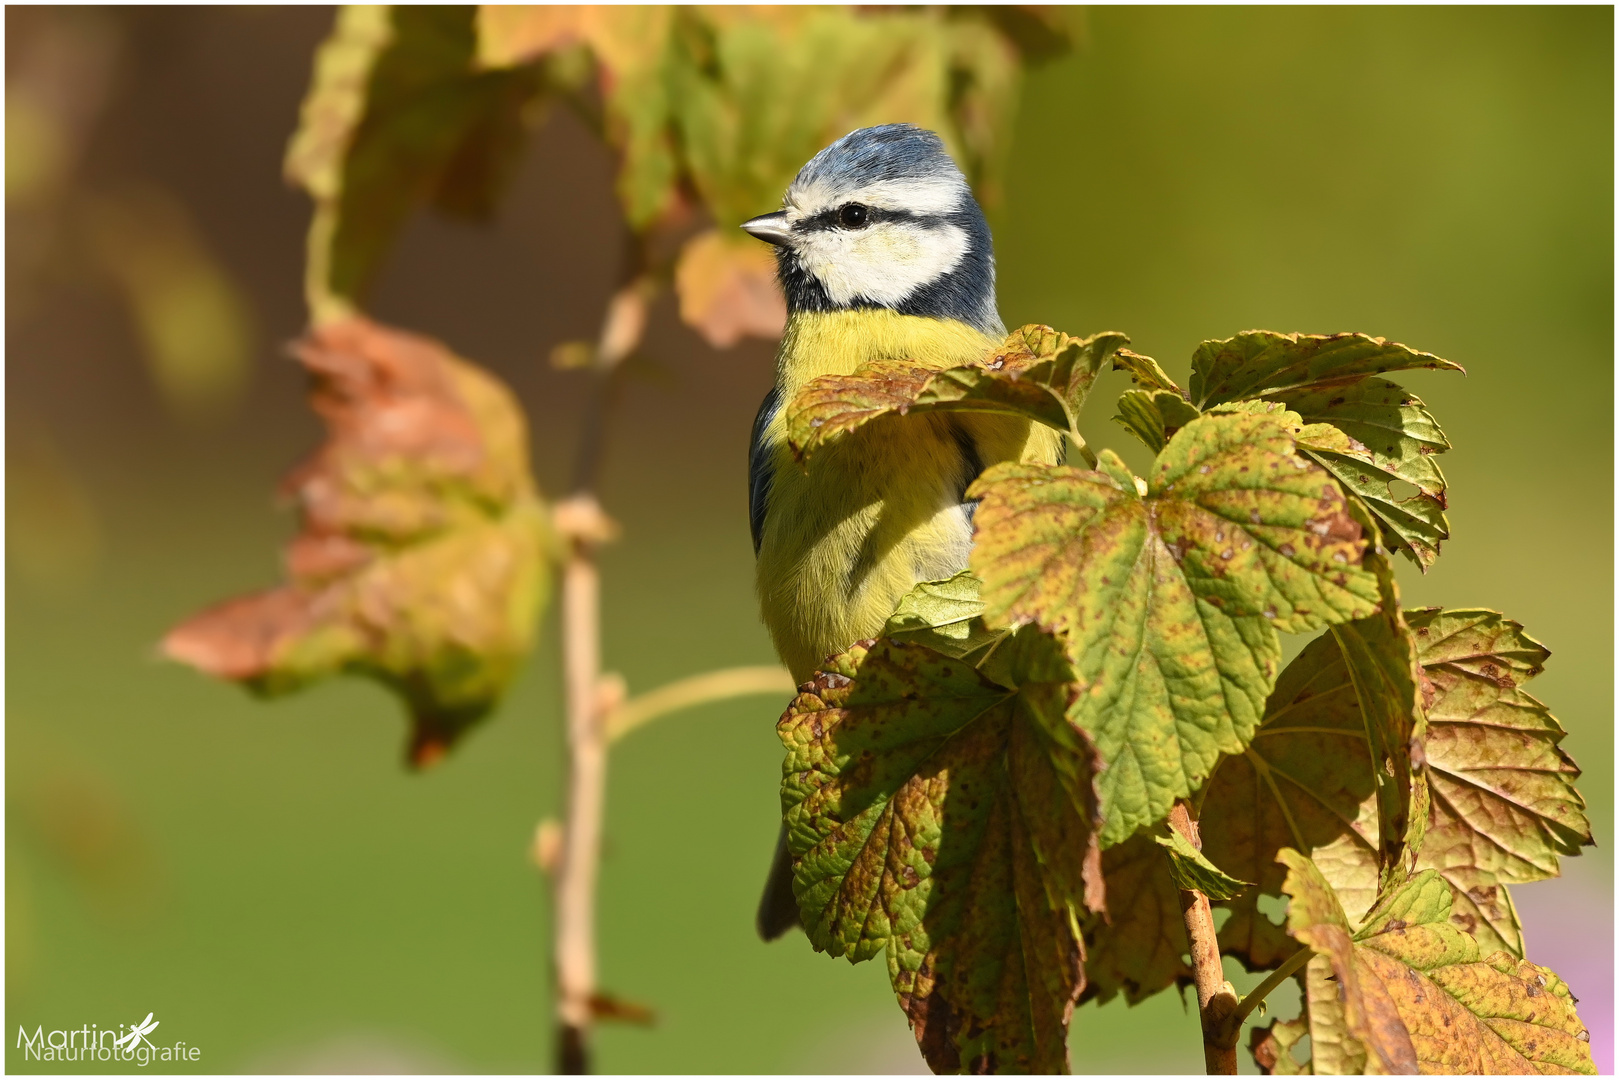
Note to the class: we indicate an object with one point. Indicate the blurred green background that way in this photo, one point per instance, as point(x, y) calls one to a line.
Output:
point(270, 881)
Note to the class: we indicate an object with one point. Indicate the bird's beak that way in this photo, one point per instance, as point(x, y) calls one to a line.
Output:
point(771, 228)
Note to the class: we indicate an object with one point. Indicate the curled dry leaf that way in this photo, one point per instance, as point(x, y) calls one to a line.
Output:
point(1037, 374)
point(423, 549)
point(728, 289)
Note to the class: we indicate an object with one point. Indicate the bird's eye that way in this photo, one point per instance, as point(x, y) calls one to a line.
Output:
point(853, 216)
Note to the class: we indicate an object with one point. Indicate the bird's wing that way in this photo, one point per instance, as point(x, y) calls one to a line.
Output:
point(761, 466)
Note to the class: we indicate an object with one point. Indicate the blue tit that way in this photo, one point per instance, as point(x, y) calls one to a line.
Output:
point(883, 253)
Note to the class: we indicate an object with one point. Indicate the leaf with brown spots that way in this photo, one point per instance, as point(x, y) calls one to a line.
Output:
point(1037, 373)
point(1409, 992)
point(423, 553)
point(1262, 363)
point(1374, 435)
point(947, 818)
point(1503, 802)
point(1169, 592)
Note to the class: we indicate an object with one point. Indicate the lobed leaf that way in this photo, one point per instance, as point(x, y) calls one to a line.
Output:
point(423, 553)
point(1037, 373)
point(1503, 807)
point(1168, 593)
point(1410, 992)
point(949, 820)
point(1144, 372)
point(1261, 363)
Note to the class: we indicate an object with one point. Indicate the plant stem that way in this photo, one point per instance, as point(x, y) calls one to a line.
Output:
point(575, 949)
point(1216, 998)
point(583, 526)
point(1259, 993)
point(695, 690)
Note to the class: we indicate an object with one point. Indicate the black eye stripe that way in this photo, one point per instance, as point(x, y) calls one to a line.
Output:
point(832, 219)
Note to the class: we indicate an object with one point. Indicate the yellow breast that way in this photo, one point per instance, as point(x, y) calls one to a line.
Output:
point(850, 533)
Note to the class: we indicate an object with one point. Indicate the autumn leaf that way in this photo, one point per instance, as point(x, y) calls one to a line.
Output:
point(630, 45)
point(1503, 808)
point(399, 115)
point(1262, 363)
point(947, 819)
point(422, 558)
point(728, 289)
point(1138, 948)
point(1037, 373)
point(1169, 592)
point(1410, 992)
point(1153, 416)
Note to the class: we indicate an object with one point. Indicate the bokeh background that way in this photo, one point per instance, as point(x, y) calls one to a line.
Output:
point(271, 882)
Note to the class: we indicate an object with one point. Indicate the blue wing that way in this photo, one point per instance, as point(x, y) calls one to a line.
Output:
point(761, 466)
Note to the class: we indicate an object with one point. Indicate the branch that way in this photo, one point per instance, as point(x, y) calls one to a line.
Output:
point(1216, 998)
point(696, 690)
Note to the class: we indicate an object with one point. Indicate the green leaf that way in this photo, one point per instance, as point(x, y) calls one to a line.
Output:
point(1145, 372)
point(1037, 374)
point(1169, 603)
point(1189, 868)
point(398, 115)
point(1373, 436)
point(1261, 363)
point(423, 557)
point(945, 616)
point(1410, 992)
point(1138, 948)
point(1503, 808)
point(949, 821)
point(1154, 416)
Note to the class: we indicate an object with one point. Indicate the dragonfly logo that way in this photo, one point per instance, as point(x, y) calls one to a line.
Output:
point(125, 1043)
point(139, 1032)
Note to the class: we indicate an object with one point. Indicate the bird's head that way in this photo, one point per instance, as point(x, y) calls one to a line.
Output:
point(883, 218)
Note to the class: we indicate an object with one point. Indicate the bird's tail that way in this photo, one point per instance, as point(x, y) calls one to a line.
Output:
point(778, 910)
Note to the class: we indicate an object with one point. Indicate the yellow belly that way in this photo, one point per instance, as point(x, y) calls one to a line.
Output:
point(850, 533)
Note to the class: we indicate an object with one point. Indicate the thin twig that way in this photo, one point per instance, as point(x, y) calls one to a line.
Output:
point(583, 525)
point(1216, 998)
point(696, 690)
point(1257, 996)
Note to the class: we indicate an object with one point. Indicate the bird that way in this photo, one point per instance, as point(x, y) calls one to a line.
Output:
point(882, 252)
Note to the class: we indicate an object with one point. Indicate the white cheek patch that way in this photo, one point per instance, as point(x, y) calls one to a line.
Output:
point(885, 263)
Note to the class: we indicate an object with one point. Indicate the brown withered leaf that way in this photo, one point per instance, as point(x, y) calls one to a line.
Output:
point(1138, 947)
point(728, 289)
point(1409, 992)
point(422, 558)
point(1037, 373)
point(945, 816)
